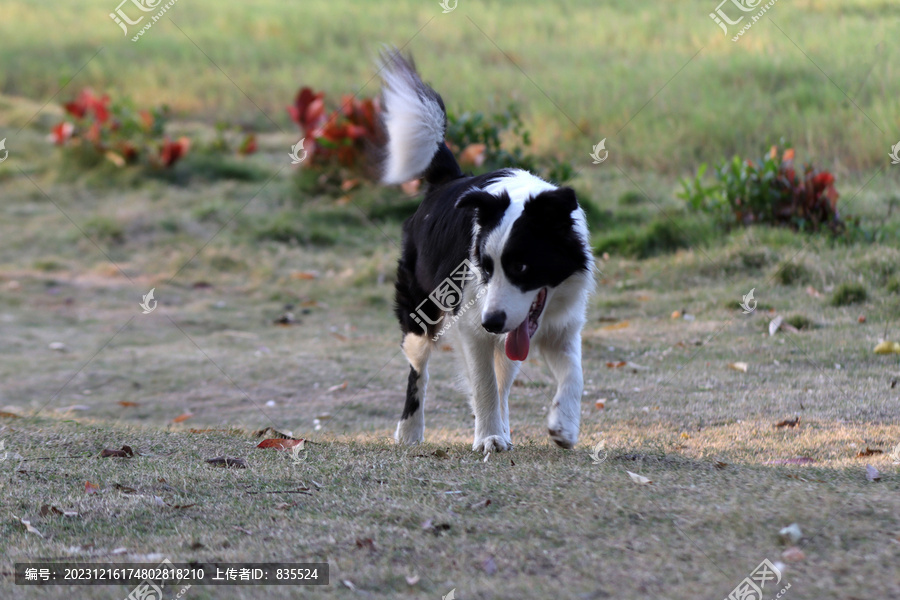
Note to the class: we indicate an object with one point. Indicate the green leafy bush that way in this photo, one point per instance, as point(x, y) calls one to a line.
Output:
point(768, 191)
point(495, 141)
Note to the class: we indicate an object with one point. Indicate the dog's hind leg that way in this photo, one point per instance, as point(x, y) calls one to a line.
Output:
point(411, 428)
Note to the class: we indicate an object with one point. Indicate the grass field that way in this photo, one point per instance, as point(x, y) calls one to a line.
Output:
point(232, 246)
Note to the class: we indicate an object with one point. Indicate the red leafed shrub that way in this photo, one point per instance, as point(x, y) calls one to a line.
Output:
point(170, 151)
point(87, 102)
point(337, 138)
point(248, 145)
point(118, 132)
point(769, 191)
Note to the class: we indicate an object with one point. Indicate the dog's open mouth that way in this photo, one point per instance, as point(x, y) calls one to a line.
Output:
point(519, 339)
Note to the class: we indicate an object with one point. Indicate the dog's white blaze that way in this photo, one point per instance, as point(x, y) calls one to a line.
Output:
point(501, 293)
point(520, 185)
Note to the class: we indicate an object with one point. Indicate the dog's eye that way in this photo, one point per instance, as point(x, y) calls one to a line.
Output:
point(518, 267)
point(487, 265)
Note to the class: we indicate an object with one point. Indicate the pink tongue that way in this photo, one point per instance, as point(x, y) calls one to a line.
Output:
point(517, 342)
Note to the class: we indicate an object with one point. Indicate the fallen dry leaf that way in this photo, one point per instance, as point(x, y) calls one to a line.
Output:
point(861, 319)
point(366, 543)
point(340, 386)
point(872, 473)
point(124, 452)
point(480, 504)
point(738, 366)
point(600, 404)
point(868, 452)
point(182, 417)
point(52, 510)
point(676, 314)
point(227, 461)
point(887, 347)
point(90, 488)
point(639, 479)
point(128, 403)
point(283, 506)
point(28, 526)
point(793, 554)
point(304, 275)
point(8, 415)
point(774, 324)
point(615, 326)
point(280, 443)
point(788, 422)
point(813, 292)
point(616, 365)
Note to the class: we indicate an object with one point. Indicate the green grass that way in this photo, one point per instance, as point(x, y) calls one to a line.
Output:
point(791, 273)
point(616, 57)
point(849, 293)
point(662, 235)
point(230, 244)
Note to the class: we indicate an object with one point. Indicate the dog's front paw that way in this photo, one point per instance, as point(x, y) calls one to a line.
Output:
point(564, 432)
point(410, 432)
point(492, 443)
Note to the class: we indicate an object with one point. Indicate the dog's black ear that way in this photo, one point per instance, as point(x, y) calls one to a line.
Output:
point(489, 206)
point(555, 202)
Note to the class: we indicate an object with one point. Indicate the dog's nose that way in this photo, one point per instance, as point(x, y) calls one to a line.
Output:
point(494, 321)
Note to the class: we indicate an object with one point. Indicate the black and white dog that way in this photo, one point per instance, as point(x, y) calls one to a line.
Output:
point(500, 262)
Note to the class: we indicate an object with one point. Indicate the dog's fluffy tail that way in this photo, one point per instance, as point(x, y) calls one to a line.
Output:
point(415, 121)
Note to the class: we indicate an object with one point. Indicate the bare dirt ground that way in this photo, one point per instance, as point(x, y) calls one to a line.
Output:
point(418, 522)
